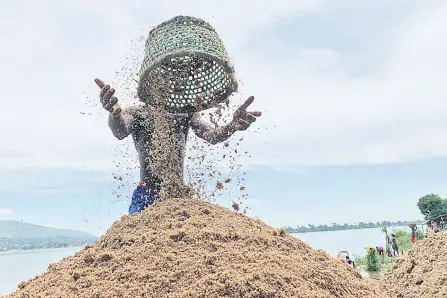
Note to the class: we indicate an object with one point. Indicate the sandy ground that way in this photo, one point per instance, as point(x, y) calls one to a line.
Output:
point(191, 248)
point(422, 272)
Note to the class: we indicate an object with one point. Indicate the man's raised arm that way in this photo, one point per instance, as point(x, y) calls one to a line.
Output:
point(206, 132)
point(121, 122)
point(241, 121)
point(122, 125)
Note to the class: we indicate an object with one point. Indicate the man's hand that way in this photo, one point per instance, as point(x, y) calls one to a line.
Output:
point(108, 101)
point(243, 119)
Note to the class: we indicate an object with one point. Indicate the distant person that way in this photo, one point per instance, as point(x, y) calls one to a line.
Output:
point(388, 244)
point(350, 262)
point(434, 226)
point(379, 250)
point(394, 245)
point(388, 250)
point(413, 234)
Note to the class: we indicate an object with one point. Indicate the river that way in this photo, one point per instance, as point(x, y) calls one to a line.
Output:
point(19, 266)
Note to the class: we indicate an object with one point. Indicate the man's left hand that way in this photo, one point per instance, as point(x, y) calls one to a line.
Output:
point(243, 119)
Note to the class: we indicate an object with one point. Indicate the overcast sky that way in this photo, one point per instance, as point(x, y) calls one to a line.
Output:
point(353, 95)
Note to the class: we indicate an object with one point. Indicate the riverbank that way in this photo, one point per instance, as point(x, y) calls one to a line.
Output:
point(17, 266)
point(346, 227)
point(17, 251)
point(384, 262)
point(16, 236)
point(25, 244)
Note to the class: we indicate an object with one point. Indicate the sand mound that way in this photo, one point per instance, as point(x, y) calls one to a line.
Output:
point(422, 272)
point(190, 248)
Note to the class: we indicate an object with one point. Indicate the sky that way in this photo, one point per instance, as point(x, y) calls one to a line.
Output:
point(352, 95)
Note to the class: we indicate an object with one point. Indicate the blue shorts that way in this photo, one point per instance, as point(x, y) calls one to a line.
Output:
point(141, 198)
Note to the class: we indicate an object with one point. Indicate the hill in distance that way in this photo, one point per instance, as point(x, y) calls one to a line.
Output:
point(17, 229)
point(16, 235)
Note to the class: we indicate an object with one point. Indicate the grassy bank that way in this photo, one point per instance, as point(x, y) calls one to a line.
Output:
point(403, 242)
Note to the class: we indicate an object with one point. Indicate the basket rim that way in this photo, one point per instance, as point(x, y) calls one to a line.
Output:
point(197, 21)
point(181, 52)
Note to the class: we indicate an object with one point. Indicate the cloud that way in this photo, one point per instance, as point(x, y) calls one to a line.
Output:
point(5, 212)
point(326, 100)
point(394, 112)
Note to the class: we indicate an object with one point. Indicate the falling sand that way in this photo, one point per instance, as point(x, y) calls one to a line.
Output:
point(192, 248)
point(422, 271)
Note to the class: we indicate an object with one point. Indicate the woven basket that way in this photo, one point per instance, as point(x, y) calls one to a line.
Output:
point(186, 67)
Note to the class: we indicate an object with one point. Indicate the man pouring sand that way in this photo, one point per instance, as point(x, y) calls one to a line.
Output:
point(134, 121)
point(185, 70)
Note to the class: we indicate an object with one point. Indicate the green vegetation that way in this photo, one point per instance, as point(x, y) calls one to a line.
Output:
point(383, 262)
point(337, 227)
point(16, 235)
point(433, 207)
point(372, 262)
point(403, 239)
point(403, 242)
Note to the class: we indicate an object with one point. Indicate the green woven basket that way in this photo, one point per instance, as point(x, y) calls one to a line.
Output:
point(186, 67)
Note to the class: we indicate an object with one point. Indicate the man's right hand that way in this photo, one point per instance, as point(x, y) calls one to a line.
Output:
point(108, 101)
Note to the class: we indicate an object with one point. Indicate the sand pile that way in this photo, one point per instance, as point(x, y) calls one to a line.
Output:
point(422, 272)
point(191, 248)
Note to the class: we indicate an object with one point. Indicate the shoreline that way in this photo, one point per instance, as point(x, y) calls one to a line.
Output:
point(13, 251)
point(352, 229)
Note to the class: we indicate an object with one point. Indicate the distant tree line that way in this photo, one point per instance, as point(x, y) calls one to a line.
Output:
point(432, 206)
point(338, 227)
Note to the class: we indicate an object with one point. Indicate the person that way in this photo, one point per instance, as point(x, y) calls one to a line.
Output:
point(434, 226)
point(350, 262)
point(135, 121)
point(388, 249)
point(379, 250)
point(394, 245)
point(388, 244)
point(413, 234)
